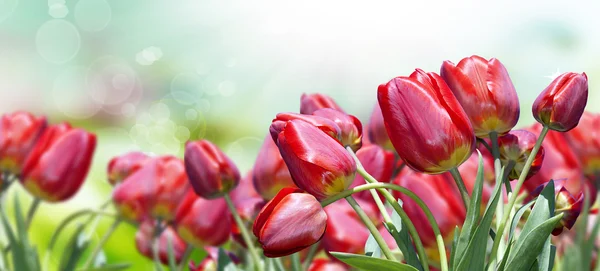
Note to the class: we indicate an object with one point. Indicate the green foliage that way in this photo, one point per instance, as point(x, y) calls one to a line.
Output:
point(400, 233)
point(371, 264)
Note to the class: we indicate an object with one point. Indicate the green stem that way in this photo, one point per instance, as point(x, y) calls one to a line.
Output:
point(245, 234)
point(461, 187)
point(311, 255)
point(514, 195)
point(374, 231)
point(186, 257)
point(279, 264)
point(100, 245)
point(296, 264)
point(31, 213)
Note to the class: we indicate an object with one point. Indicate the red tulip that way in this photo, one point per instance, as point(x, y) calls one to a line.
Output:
point(562, 103)
point(212, 174)
point(144, 241)
point(567, 204)
point(428, 127)
point(376, 129)
point(120, 167)
point(442, 198)
point(350, 127)
point(155, 190)
point(324, 124)
point(379, 163)
point(203, 222)
point(516, 146)
point(270, 172)
point(18, 133)
point(585, 141)
point(290, 222)
point(318, 163)
point(345, 231)
point(58, 164)
point(468, 171)
point(310, 103)
point(211, 261)
point(485, 92)
point(323, 264)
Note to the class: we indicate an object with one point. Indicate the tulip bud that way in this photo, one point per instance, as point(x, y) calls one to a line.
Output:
point(376, 130)
point(122, 166)
point(562, 103)
point(290, 222)
point(318, 163)
point(270, 173)
point(310, 103)
point(585, 142)
point(567, 204)
point(18, 133)
point(345, 231)
point(145, 242)
point(203, 222)
point(212, 174)
point(324, 124)
point(350, 126)
point(426, 124)
point(58, 164)
point(516, 146)
point(212, 259)
point(326, 265)
point(379, 163)
point(485, 92)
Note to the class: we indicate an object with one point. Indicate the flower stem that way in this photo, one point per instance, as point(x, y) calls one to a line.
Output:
point(31, 213)
point(96, 251)
point(374, 231)
point(461, 187)
point(245, 234)
point(296, 263)
point(186, 257)
point(311, 254)
point(514, 195)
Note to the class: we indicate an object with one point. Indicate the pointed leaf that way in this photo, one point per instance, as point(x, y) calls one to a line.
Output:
point(402, 237)
point(543, 260)
point(532, 245)
point(111, 267)
point(371, 264)
point(372, 249)
point(453, 248)
point(517, 217)
point(224, 263)
point(505, 257)
point(74, 249)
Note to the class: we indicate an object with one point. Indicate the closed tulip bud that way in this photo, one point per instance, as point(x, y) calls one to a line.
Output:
point(212, 174)
point(310, 103)
point(270, 173)
point(376, 132)
point(318, 163)
point(350, 126)
point(562, 103)
point(290, 222)
point(211, 260)
point(59, 163)
point(585, 142)
point(145, 242)
point(567, 204)
point(122, 166)
point(426, 124)
point(485, 92)
point(18, 133)
point(203, 222)
point(345, 231)
point(379, 163)
point(516, 146)
point(326, 265)
point(155, 190)
point(324, 124)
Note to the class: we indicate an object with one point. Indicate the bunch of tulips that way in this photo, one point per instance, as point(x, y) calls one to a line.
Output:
point(439, 181)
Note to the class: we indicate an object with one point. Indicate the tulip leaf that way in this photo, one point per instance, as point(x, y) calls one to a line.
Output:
point(111, 267)
point(505, 257)
point(372, 249)
point(74, 249)
point(24, 256)
point(522, 257)
point(400, 233)
point(224, 263)
point(453, 247)
point(371, 264)
point(517, 218)
point(171, 253)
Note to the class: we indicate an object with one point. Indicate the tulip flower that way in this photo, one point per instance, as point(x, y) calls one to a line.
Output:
point(211, 173)
point(324, 124)
point(516, 146)
point(376, 130)
point(562, 103)
point(155, 190)
point(270, 173)
point(290, 222)
point(350, 126)
point(145, 242)
point(345, 232)
point(318, 163)
point(567, 204)
point(426, 124)
point(19, 132)
point(310, 103)
point(585, 142)
point(122, 166)
point(323, 264)
point(379, 163)
point(211, 260)
point(485, 92)
point(58, 164)
point(468, 171)
point(203, 222)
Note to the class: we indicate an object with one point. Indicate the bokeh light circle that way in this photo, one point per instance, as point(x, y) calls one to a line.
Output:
point(6, 8)
point(186, 88)
point(113, 81)
point(71, 96)
point(244, 151)
point(227, 88)
point(57, 41)
point(58, 10)
point(92, 15)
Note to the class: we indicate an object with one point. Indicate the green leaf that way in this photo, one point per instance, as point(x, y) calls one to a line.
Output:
point(74, 249)
point(532, 244)
point(517, 217)
point(371, 264)
point(224, 263)
point(543, 260)
point(400, 233)
point(505, 257)
point(453, 248)
point(372, 249)
point(111, 267)
point(171, 253)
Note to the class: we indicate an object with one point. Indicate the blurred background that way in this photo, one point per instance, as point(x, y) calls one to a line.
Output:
point(150, 75)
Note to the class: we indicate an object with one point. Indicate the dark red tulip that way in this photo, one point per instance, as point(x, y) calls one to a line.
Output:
point(323, 264)
point(211, 260)
point(516, 146)
point(59, 163)
point(144, 242)
point(379, 163)
point(345, 231)
point(270, 173)
point(155, 190)
point(427, 125)
point(212, 174)
point(350, 126)
point(203, 222)
point(376, 130)
point(442, 198)
point(290, 222)
point(324, 124)
point(566, 203)
point(562, 103)
point(120, 167)
point(19, 132)
point(585, 142)
point(318, 163)
point(485, 92)
point(310, 103)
